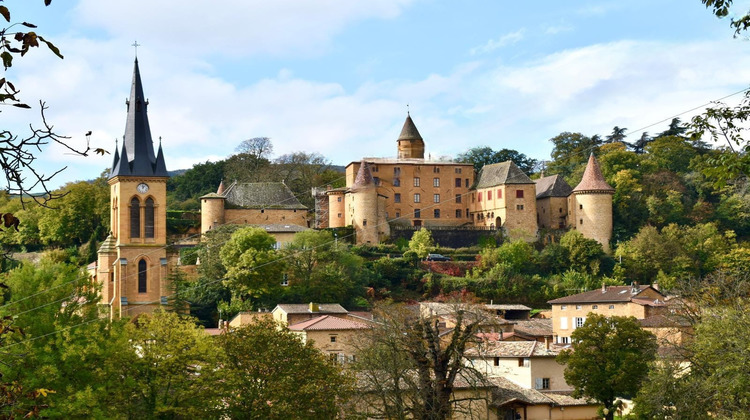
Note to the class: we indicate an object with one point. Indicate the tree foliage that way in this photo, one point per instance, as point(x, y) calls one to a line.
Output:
point(609, 359)
point(484, 155)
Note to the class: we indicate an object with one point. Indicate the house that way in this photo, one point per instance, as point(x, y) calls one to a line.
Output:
point(252, 203)
point(529, 364)
point(511, 401)
point(639, 301)
point(333, 336)
point(293, 313)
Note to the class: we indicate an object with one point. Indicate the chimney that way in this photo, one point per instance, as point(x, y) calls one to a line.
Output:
point(329, 187)
point(635, 287)
point(604, 287)
point(314, 307)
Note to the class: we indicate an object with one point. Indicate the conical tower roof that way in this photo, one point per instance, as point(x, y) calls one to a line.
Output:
point(364, 177)
point(137, 143)
point(409, 131)
point(593, 180)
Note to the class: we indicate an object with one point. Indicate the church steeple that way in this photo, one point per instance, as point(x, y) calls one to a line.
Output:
point(138, 148)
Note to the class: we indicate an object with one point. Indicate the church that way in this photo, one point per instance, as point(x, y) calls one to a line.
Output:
point(132, 265)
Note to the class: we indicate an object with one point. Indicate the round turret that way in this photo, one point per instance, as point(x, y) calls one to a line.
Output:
point(212, 211)
point(590, 205)
point(364, 196)
point(410, 142)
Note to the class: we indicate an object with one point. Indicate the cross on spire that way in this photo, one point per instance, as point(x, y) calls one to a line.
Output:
point(136, 45)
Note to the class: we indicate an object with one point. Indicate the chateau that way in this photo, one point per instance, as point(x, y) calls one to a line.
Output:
point(412, 190)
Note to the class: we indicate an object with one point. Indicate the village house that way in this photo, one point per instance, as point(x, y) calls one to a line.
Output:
point(292, 313)
point(338, 338)
point(639, 301)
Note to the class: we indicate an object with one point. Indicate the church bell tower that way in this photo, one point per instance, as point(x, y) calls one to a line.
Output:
point(132, 263)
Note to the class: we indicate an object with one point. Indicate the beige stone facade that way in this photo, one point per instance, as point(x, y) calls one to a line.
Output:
point(511, 207)
point(552, 212)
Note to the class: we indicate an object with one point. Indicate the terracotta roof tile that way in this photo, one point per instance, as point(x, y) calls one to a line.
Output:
point(327, 322)
point(534, 327)
point(303, 308)
point(364, 176)
point(611, 294)
point(515, 349)
point(593, 180)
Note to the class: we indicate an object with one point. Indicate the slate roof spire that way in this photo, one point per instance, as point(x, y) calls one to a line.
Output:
point(138, 147)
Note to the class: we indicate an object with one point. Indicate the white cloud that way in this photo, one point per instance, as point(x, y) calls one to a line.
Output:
point(493, 44)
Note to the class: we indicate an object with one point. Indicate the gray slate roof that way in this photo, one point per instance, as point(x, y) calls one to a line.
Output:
point(409, 130)
point(500, 174)
point(552, 186)
point(303, 308)
point(267, 195)
point(610, 294)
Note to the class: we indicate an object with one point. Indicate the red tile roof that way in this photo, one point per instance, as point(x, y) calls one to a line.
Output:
point(593, 180)
point(608, 294)
point(327, 322)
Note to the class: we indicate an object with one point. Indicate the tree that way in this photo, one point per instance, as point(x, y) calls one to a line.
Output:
point(254, 269)
point(618, 135)
point(609, 359)
point(406, 369)
point(571, 151)
point(484, 155)
point(721, 9)
point(18, 152)
point(421, 243)
point(268, 373)
point(202, 178)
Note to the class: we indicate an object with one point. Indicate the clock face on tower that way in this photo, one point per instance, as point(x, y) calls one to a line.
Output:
point(142, 188)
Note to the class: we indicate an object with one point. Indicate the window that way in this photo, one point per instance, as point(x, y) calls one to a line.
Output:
point(563, 307)
point(458, 198)
point(523, 362)
point(458, 213)
point(611, 306)
point(435, 198)
point(458, 171)
point(135, 218)
point(541, 383)
point(142, 274)
point(489, 195)
point(436, 169)
point(149, 216)
point(563, 323)
point(594, 306)
point(467, 183)
point(458, 183)
point(396, 182)
point(479, 196)
point(435, 182)
point(519, 193)
point(374, 168)
point(364, 222)
point(333, 339)
point(497, 361)
point(581, 221)
point(580, 206)
point(580, 321)
point(397, 198)
point(499, 193)
point(564, 340)
point(467, 212)
point(376, 180)
point(436, 213)
point(398, 214)
point(339, 199)
point(519, 206)
point(285, 280)
point(396, 171)
point(416, 181)
point(417, 198)
point(578, 307)
point(417, 213)
point(339, 215)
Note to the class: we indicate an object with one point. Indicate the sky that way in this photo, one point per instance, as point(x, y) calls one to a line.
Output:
point(335, 76)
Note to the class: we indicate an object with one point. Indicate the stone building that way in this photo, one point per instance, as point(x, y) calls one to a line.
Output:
point(590, 205)
point(255, 203)
point(552, 202)
point(132, 262)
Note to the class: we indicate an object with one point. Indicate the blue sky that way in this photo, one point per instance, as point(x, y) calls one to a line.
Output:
point(334, 76)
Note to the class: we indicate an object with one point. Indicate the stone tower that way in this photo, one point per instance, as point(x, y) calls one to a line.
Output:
point(364, 202)
point(132, 263)
point(410, 143)
point(212, 209)
point(590, 205)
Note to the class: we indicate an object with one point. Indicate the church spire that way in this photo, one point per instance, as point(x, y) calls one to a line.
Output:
point(137, 143)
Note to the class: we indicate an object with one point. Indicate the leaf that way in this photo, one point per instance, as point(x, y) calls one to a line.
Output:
point(7, 61)
point(21, 106)
point(5, 12)
point(28, 25)
point(52, 47)
point(47, 2)
point(101, 151)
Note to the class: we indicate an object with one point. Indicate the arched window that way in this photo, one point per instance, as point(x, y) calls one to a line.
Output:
point(142, 271)
point(135, 218)
point(149, 215)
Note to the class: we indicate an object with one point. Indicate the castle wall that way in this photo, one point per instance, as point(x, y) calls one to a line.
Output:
point(552, 212)
point(397, 181)
point(511, 207)
point(336, 210)
point(212, 213)
point(365, 214)
point(265, 216)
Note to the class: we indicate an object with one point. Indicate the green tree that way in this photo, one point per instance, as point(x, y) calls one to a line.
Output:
point(83, 208)
point(584, 254)
point(609, 359)
point(484, 155)
point(421, 243)
point(571, 151)
point(268, 373)
point(202, 178)
point(254, 268)
point(722, 8)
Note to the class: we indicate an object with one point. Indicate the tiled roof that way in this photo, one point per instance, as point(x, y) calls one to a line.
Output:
point(364, 176)
point(515, 349)
point(409, 130)
point(270, 195)
point(276, 228)
point(507, 307)
point(593, 180)
point(661, 321)
point(610, 294)
point(303, 308)
point(534, 327)
point(501, 174)
point(327, 322)
point(410, 161)
point(506, 392)
point(552, 186)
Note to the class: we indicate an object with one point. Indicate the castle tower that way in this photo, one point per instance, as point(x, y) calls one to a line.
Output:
point(590, 205)
point(212, 209)
point(410, 143)
point(132, 263)
point(364, 200)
